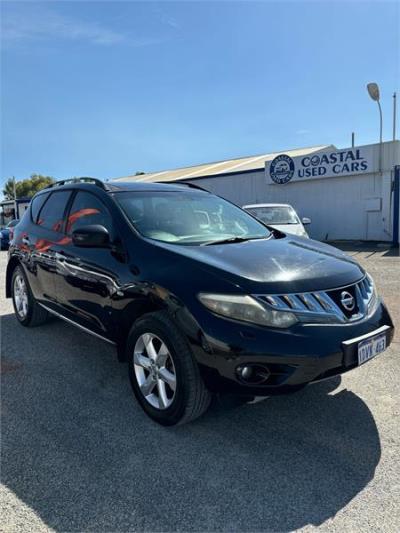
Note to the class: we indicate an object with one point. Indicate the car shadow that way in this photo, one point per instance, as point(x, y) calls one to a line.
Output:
point(378, 249)
point(78, 450)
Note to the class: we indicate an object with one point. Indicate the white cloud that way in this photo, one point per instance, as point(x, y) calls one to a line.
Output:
point(36, 25)
point(302, 132)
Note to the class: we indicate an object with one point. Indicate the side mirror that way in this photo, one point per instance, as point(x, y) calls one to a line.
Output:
point(91, 236)
point(306, 220)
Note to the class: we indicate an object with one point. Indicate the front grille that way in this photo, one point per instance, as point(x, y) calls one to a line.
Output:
point(337, 295)
point(344, 304)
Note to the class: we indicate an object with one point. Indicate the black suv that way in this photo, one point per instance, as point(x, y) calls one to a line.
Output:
point(197, 295)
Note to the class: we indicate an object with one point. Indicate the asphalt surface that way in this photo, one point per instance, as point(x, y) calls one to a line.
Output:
point(78, 454)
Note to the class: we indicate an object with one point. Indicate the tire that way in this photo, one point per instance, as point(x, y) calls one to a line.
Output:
point(29, 313)
point(169, 403)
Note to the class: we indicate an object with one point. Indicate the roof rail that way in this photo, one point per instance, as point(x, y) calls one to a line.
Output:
point(187, 183)
point(83, 179)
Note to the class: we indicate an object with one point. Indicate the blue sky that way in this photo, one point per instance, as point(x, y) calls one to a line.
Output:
point(109, 88)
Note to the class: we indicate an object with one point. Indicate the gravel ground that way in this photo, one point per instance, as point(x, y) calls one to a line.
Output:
point(78, 454)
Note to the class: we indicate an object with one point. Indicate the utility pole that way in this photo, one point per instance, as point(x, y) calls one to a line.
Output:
point(15, 198)
point(394, 116)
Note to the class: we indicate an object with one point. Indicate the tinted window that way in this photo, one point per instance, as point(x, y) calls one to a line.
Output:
point(36, 205)
point(190, 218)
point(88, 209)
point(52, 213)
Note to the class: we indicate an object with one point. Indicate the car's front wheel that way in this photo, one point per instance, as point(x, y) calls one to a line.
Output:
point(164, 375)
point(27, 310)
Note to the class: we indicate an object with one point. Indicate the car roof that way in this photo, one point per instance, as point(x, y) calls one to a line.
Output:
point(266, 205)
point(122, 186)
point(153, 186)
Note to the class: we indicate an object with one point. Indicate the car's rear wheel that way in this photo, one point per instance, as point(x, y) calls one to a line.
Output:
point(27, 310)
point(164, 375)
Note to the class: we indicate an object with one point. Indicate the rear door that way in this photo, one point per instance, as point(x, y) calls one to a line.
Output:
point(41, 242)
point(88, 278)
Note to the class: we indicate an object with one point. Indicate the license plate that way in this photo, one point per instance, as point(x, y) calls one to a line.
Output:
point(369, 348)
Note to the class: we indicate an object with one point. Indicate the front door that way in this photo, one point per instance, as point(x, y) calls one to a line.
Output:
point(88, 279)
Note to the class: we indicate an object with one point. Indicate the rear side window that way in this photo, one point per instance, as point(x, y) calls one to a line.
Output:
point(88, 209)
point(52, 213)
point(37, 204)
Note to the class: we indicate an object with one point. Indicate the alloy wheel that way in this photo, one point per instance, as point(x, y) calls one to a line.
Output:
point(154, 370)
point(21, 296)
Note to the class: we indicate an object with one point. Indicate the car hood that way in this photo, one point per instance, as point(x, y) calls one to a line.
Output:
point(289, 264)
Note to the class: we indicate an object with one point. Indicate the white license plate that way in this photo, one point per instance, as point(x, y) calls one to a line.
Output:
point(370, 347)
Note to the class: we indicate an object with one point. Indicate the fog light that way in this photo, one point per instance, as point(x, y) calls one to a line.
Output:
point(253, 374)
point(246, 372)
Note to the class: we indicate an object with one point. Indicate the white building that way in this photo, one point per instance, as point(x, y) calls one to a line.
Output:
point(10, 210)
point(350, 193)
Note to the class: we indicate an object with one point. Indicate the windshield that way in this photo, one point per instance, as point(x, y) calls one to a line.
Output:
point(275, 214)
point(188, 218)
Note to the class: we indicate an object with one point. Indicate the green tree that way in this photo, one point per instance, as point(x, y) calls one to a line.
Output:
point(27, 187)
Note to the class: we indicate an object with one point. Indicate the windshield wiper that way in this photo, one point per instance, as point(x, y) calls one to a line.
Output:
point(230, 240)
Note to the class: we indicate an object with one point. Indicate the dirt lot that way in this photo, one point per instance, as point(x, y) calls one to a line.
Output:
point(78, 454)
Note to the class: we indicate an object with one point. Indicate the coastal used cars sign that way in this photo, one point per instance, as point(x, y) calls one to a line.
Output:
point(283, 168)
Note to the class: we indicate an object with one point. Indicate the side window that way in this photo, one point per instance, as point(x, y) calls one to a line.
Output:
point(52, 213)
point(88, 209)
point(37, 204)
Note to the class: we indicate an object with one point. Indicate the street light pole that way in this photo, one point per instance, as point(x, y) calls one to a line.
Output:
point(380, 119)
point(373, 91)
point(380, 137)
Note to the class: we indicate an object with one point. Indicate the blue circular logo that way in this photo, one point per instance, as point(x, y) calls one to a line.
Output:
point(281, 169)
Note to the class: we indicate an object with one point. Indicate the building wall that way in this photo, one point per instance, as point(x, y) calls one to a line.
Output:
point(8, 206)
point(356, 207)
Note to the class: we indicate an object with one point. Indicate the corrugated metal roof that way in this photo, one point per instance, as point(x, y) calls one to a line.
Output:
point(221, 167)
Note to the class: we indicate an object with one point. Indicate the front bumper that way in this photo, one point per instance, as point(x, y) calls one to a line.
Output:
point(294, 357)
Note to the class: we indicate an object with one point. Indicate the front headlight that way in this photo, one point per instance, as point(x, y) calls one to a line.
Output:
point(246, 309)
